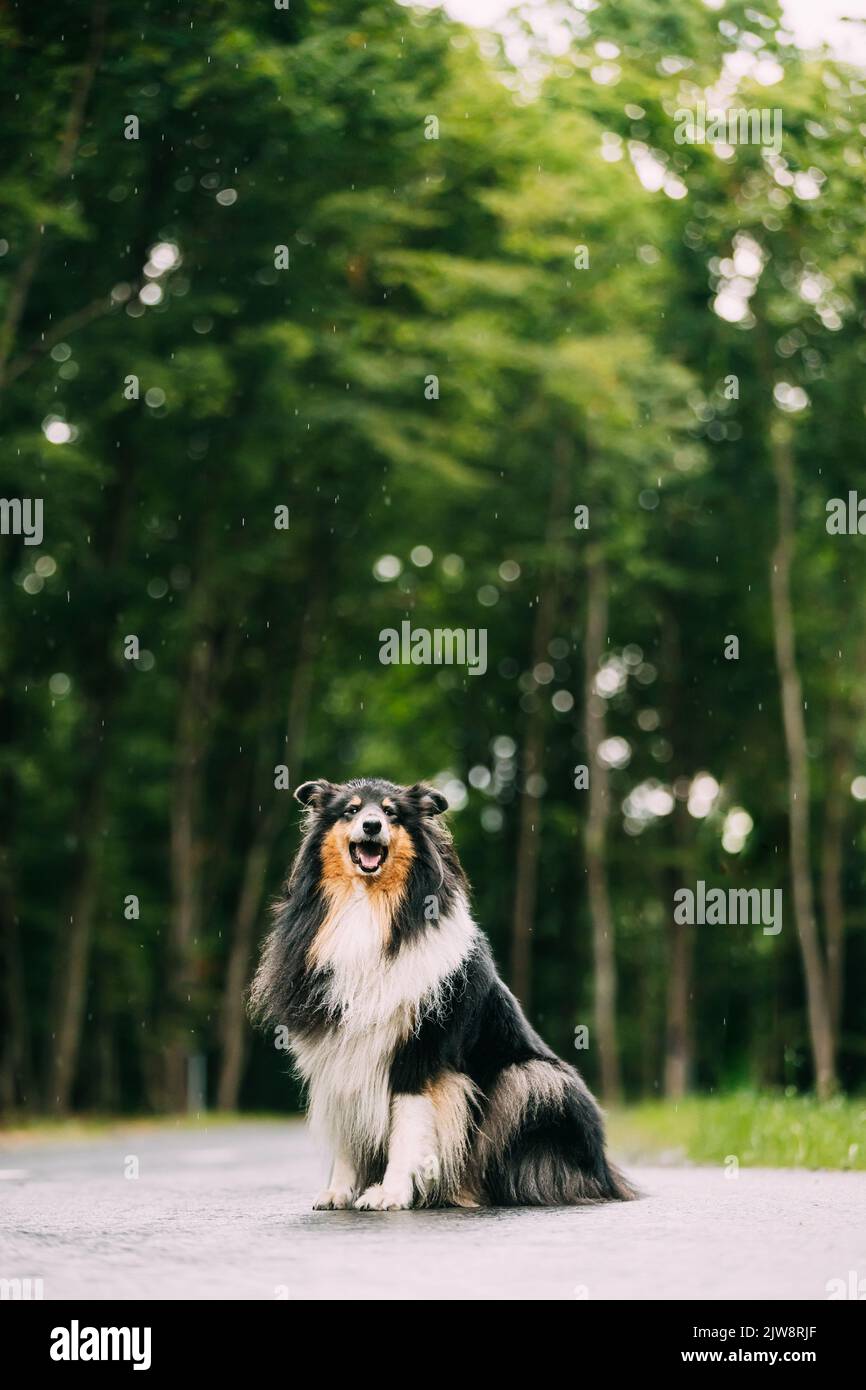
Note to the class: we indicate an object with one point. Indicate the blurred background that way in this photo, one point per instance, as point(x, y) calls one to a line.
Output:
point(316, 320)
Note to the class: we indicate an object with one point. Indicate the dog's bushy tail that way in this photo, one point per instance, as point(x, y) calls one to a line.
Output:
point(542, 1141)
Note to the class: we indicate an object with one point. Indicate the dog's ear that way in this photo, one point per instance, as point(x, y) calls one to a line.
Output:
point(313, 793)
point(428, 800)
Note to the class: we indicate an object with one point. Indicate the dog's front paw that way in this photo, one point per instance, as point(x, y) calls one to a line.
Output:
point(381, 1198)
point(334, 1199)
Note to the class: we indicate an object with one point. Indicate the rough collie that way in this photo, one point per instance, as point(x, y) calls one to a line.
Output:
point(422, 1072)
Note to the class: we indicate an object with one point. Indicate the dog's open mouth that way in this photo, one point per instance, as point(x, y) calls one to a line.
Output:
point(368, 855)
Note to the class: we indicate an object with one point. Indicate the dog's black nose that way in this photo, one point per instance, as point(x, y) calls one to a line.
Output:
point(372, 827)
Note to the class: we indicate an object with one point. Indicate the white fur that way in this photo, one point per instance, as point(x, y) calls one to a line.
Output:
point(342, 1186)
point(454, 1098)
point(347, 1078)
point(412, 1157)
point(367, 987)
point(377, 1001)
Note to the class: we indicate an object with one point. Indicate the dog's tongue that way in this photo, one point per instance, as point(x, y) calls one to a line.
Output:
point(369, 858)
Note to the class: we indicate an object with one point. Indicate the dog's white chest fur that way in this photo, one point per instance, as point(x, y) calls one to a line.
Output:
point(376, 1001)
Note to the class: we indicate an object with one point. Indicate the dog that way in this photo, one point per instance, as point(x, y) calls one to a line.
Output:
point(422, 1072)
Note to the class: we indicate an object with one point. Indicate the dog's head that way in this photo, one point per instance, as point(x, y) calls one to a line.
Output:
point(369, 828)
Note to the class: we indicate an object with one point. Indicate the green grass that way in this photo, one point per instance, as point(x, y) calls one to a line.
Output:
point(770, 1131)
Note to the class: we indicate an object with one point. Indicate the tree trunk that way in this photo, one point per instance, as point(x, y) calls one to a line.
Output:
point(71, 980)
point(233, 1021)
point(832, 902)
point(15, 1069)
point(595, 837)
point(679, 1040)
point(528, 837)
point(843, 722)
point(798, 763)
point(185, 919)
point(16, 1077)
point(526, 872)
point(233, 1016)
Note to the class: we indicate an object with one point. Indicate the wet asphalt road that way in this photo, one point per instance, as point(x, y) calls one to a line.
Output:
point(225, 1212)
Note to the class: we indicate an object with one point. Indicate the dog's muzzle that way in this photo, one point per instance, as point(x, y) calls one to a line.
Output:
point(369, 855)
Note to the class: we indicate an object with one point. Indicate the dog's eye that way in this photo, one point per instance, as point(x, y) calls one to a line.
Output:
point(390, 812)
point(350, 812)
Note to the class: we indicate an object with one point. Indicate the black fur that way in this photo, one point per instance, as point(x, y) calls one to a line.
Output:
point(482, 1031)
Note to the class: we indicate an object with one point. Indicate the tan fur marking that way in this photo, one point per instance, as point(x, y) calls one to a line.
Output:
point(453, 1096)
point(335, 851)
point(467, 1198)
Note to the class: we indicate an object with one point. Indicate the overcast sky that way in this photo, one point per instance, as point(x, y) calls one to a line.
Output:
point(811, 21)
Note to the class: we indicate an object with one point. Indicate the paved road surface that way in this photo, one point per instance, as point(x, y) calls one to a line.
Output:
point(225, 1213)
